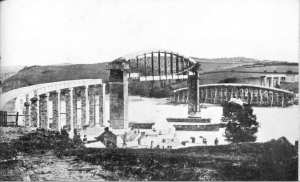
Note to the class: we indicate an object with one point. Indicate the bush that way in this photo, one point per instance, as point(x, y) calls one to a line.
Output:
point(241, 124)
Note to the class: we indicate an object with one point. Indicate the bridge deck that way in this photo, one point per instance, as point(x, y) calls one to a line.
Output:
point(44, 88)
point(238, 85)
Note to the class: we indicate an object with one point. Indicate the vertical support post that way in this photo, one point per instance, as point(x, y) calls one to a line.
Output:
point(171, 59)
point(231, 93)
point(48, 110)
point(166, 65)
point(118, 86)
point(272, 81)
point(282, 100)
point(277, 99)
point(251, 95)
point(206, 95)
point(101, 104)
point(43, 111)
point(75, 108)
point(216, 95)
point(159, 71)
point(152, 65)
point(87, 105)
point(266, 82)
point(71, 110)
point(242, 94)
point(261, 97)
point(137, 63)
point(59, 120)
point(177, 66)
point(272, 98)
point(27, 111)
point(221, 95)
point(145, 62)
point(38, 122)
point(193, 89)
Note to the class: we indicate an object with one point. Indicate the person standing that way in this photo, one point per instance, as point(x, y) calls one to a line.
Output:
point(216, 141)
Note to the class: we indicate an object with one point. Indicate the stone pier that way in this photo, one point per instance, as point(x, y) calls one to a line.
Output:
point(193, 92)
point(118, 89)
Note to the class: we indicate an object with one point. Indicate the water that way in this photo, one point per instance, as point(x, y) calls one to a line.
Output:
point(274, 121)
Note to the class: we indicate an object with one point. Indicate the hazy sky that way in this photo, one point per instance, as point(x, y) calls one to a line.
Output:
point(40, 32)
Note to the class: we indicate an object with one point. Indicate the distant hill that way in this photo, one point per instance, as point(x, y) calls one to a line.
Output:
point(43, 74)
point(8, 71)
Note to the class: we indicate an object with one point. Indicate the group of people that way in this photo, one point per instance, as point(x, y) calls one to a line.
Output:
point(204, 140)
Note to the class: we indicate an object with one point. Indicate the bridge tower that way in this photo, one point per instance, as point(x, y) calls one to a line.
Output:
point(118, 94)
point(193, 91)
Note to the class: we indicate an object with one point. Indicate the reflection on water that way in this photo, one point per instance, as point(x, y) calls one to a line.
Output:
point(274, 121)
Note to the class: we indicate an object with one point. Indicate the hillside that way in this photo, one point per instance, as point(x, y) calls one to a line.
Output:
point(43, 74)
point(215, 71)
point(8, 71)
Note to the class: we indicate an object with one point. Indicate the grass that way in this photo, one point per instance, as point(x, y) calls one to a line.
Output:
point(273, 160)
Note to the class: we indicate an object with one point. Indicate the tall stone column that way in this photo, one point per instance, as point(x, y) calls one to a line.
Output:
point(26, 111)
point(87, 105)
point(216, 96)
point(272, 98)
point(92, 106)
point(34, 111)
point(272, 81)
point(59, 124)
point(266, 84)
point(43, 111)
point(38, 111)
point(55, 100)
point(193, 90)
point(101, 104)
point(118, 87)
point(69, 109)
point(49, 111)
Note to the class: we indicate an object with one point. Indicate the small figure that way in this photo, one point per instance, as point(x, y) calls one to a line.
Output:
point(76, 137)
point(84, 139)
point(204, 141)
point(216, 141)
point(108, 138)
point(124, 139)
point(193, 139)
point(64, 132)
point(151, 145)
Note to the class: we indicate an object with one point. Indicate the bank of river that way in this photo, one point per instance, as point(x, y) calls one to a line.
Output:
point(274, 122)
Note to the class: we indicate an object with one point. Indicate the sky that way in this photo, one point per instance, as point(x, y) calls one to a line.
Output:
point(45, 32)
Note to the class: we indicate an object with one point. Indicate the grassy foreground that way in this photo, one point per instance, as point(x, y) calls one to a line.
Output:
point(273, 160)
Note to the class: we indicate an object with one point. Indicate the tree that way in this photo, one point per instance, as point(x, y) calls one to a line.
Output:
point(241, 124)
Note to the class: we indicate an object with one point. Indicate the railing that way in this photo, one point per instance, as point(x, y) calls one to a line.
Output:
point(9, 119)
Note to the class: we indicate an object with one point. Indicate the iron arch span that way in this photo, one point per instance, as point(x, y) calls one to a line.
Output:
point(148, 66)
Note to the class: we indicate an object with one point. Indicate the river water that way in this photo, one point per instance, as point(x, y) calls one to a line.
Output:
point(274, 122)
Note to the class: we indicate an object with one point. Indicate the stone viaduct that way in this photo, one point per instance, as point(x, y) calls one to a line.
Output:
point(71, 104)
